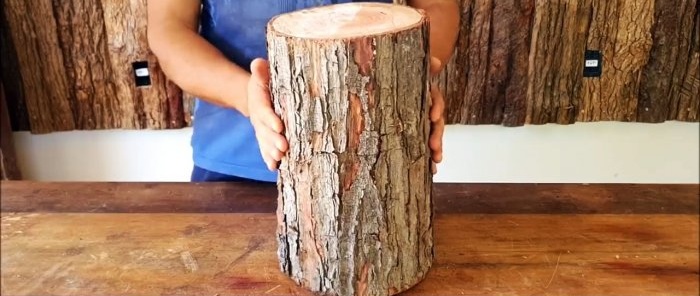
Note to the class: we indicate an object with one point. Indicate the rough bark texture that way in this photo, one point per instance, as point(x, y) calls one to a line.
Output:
point(156, 106)
point(75, 58)
point(46, 89)
point(355, 204)
point(669, 82)
point(9, 170)
point(486, 81)
point(556, 61)
point(620, 29)
point(81, 31)
point(521, 62)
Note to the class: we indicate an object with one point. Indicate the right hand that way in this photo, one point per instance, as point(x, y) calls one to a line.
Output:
point(268, 126)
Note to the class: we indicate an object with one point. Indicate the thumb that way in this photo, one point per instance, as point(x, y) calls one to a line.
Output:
point(435, 65)
point(260, 71)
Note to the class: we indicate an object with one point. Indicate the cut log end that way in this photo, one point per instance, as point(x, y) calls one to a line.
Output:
point(346, 21)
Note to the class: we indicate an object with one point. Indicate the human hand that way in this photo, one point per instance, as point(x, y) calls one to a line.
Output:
point(437, 118)
point(268, 126)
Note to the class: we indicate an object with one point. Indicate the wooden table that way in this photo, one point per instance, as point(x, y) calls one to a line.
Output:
point(218, 239)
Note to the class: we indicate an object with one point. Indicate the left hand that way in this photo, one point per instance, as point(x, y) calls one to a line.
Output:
point(437, 117)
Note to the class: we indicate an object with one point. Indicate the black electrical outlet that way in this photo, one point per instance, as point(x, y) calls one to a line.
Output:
point(142, 76)
point(593, 64)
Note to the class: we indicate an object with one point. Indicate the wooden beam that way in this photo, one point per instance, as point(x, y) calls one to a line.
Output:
point(9, 170)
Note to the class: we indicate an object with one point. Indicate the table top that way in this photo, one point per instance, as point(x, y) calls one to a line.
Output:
point(218, 239)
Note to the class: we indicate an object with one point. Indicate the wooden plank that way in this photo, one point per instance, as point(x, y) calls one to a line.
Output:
point(664, 92)
point(10, 77)
point(41, 64)
point(9, 169)
point(30, 196)
point(146, 254)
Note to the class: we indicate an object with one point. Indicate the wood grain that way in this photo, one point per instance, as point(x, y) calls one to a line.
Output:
point(233, 254)
point(39, 56)
point(455, 198)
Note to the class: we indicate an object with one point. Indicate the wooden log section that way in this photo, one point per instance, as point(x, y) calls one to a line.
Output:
point(39, 57)
point(350, 82)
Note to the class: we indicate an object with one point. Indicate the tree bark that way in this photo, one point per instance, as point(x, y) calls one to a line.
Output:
point(355, 188)
point(556, 61)
point(620, 30)
point(84, 46)
point(156, 106)
point(46, 89)
point(669, 81)
point(486, 81)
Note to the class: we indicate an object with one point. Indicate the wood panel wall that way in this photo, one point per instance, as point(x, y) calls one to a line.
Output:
point(521, 62)
point(74, 62)
point(68, 64)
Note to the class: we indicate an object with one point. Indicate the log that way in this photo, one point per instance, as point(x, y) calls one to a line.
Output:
point(350, 82)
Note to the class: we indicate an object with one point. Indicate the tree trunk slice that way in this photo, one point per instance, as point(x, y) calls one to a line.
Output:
point(350, 82)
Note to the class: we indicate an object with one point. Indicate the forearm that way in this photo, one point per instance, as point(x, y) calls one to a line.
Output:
point(444, 26)
point(199, 68)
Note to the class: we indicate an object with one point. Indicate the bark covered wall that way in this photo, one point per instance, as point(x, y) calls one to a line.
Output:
point(522, 62)
point(68, 64)
point(75, 67)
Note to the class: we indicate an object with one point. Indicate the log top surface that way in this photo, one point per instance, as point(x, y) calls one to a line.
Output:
point(349, 20)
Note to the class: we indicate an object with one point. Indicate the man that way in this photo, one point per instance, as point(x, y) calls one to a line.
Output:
point(216, 51)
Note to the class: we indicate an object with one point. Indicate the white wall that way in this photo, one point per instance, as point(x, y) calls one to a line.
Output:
point(581, 153)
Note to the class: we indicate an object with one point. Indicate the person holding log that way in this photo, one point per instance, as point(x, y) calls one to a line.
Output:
point(216, 51)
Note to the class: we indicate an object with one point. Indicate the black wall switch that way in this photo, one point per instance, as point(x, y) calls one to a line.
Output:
point(593, 66)
point(142, 75)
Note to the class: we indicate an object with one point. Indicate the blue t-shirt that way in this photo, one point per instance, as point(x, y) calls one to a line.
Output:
point(223, 140)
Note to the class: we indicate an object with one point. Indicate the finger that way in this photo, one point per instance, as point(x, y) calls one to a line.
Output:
point(270, 119)
point(274, 143)
point(435, 141)
point(438, 108)
point(435, 65)
point(269, 162)
point(272, 129)
point(433, 168)
point(269, 154)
